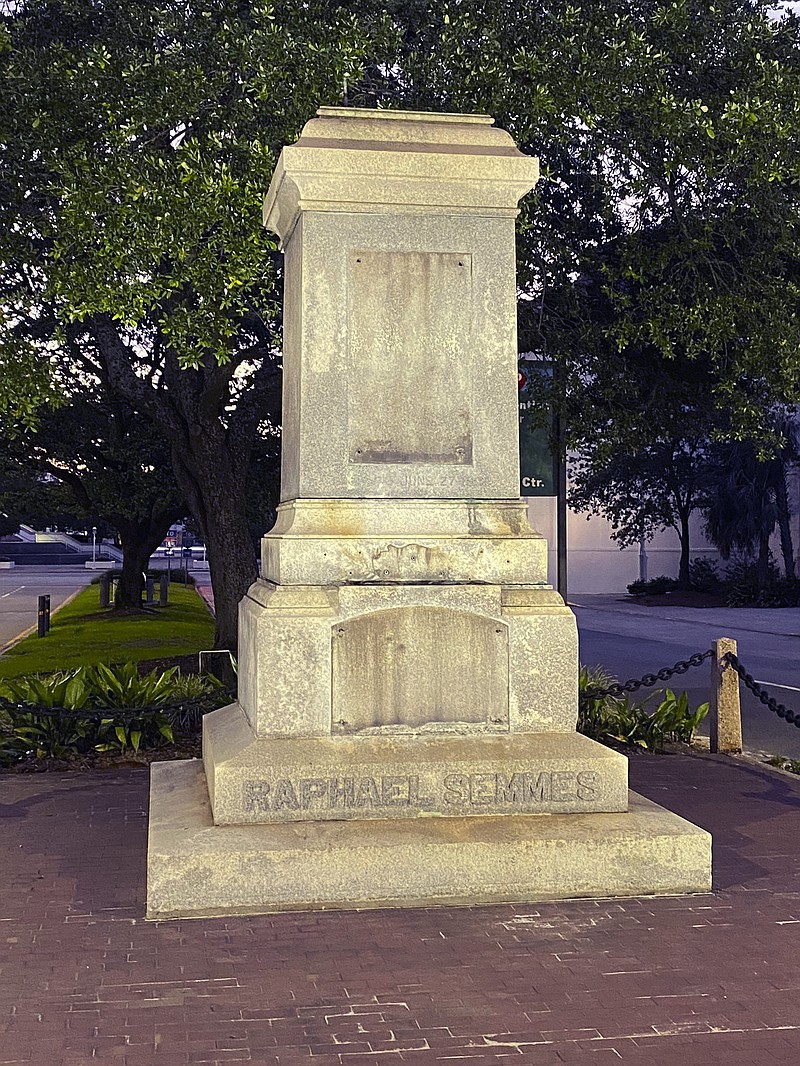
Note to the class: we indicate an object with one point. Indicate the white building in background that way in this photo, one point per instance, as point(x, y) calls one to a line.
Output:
point(595, 563)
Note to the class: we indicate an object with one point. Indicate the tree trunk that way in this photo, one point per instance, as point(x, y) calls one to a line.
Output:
point(763, 561)
point(782, 505)
point(233, 566)
point(212, 441)
point(683, 567)
point(139, 541)
point(211, 483)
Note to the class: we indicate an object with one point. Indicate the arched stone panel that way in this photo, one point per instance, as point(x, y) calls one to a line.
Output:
point(408, 669)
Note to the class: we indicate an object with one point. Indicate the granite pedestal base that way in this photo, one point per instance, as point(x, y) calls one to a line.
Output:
point(379, 776)
point(198, 869)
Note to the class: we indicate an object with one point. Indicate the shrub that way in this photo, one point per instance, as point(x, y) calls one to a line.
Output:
point(656, 586)
point(703, 575)
point(742, 587)
point(73, 712)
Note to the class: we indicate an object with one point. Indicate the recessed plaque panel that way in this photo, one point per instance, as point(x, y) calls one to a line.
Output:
point(410, 374)
point(420, 669)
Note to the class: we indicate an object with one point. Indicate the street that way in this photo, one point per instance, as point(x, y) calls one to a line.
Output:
point(631, 640)
point(21, 587)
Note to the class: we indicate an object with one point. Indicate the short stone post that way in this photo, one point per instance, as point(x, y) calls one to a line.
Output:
point(726, 714)
point(150, 589)
point(163, 589)
point(105, 590)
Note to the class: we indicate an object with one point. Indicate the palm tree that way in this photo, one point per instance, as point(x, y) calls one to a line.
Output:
point(748, 499)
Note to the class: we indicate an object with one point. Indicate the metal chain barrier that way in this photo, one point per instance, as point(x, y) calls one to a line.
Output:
point(618, 690)
point(731, 660)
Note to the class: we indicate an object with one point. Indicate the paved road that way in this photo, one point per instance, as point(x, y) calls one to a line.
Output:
point(21, 587)
point(632, 640)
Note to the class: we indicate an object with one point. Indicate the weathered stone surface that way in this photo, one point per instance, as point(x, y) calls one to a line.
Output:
point(288, 673)
point(407, 161)
point(410, 667)
point(408, 681)
point(401, 335)
point(196, 868)
point(326, 542)
point(404, 775)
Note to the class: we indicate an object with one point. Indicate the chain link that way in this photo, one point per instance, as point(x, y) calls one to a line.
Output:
point(728, 661)
point(731, 660)
point(618, 689)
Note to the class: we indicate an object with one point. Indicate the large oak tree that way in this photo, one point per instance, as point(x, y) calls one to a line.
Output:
point(138, 141)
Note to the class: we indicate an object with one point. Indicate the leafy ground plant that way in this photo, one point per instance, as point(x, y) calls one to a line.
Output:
point(656, 586)
point(619, 719)
point(782, 763)
point(94, 709)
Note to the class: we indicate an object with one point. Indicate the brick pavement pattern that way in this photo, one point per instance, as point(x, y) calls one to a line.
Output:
point(651, 982)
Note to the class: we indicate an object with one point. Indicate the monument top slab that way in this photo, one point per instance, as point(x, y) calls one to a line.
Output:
point(352, 160)
point(455, 117)
point(418, 131)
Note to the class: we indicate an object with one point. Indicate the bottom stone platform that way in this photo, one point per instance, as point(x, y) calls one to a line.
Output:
point(197, 869)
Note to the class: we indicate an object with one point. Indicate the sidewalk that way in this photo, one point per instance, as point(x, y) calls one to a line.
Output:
point(653, 982)
point(781, 621)
point(206, 592)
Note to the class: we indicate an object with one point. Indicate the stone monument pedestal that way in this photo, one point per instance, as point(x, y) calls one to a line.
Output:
point(196, 868)
point(405, 725)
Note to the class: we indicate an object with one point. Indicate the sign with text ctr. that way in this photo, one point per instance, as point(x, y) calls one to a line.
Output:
point(536, 460)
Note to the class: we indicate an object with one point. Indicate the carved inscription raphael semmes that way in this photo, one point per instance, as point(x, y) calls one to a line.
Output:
point(524, 790)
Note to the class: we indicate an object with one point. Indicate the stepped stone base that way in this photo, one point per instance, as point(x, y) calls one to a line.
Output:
point(197, 869)
point(281, 779)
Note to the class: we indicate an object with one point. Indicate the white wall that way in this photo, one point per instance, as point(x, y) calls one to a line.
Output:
point(595, 563)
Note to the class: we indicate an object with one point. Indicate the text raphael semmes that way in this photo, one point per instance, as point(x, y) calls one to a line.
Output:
point(459, 790)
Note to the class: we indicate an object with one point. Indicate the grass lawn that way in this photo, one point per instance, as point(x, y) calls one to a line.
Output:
point(81, 633)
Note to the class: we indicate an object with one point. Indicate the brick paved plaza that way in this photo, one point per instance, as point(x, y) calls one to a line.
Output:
point(651, 982)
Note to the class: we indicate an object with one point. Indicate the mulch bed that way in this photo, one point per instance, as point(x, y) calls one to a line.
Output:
point(187, 664)
point(686, 598)
point(183, 748)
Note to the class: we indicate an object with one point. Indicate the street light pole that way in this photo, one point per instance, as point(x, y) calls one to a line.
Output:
point(94, 544)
